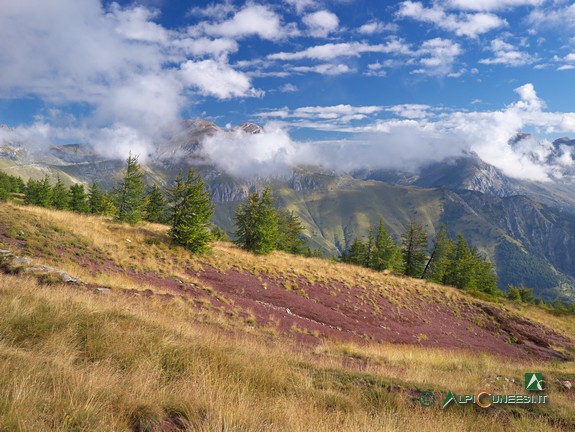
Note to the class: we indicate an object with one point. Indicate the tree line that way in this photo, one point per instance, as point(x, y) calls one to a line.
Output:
point(185, 205)
point(450, 262)
point(261, 227)
point(10, 184)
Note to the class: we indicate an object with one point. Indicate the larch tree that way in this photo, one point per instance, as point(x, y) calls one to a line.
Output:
point(257, 223)
point(59, 199)
point(129, 193)
point(414, 250)
point(190, 211)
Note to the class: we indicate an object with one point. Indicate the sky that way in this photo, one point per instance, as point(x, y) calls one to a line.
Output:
point(345, 84)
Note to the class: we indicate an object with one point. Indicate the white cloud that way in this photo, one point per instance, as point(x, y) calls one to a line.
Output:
point(568, 61)
point(438, 56)
point(506, 54)
point(555, 15)
point(376, 69)
point(376, 26)
point(463, 24)
point(267, 154)
point(324, 69)
point(217, 11)
point(335, 111)
point(317, 116)
point(411, 111)
point(421, 136)
point(251, 20)
point(217, 79)
point(135, 24)
point(331, 51)
point(321, 23)
point(130, 73)
point(302, 5)
point(205, 46)
point(288, 88)
point(490, 5)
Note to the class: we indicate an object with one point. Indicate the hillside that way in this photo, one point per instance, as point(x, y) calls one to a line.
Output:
point(233, 341)
point(525, 228)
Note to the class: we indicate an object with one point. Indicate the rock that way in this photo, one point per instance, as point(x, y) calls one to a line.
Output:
point(45, 272)
point(102, 290)
point(24, 261)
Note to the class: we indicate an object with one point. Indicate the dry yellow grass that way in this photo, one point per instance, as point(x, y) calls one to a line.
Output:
point(72, 360)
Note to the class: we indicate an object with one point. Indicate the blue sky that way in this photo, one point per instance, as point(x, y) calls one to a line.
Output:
point(431, 79)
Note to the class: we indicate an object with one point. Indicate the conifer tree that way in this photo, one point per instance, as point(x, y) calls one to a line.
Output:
point(95, 199)
point(45, 193)
point(59, 195)
point(386, 254)
point(257, 224)
point(130, 193)
point(4, 193)
point(485, 279)
point(355, 254)
point(441, 253)
point(77, 201)
point(155, 206)
point(414, 250)
point(32, 192)
point(369, 249)
point(289, 232)
point(461, 270)
point(191, 211)
point(109, 205)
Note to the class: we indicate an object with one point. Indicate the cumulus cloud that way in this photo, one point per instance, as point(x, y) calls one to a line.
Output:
point(438, 56)
point(302, 5)
point(324, 69)
point(252, 20)
point(131, 75)
point(217, 79)
point(506, 54)
point(268, 154)
point(490, 5)
point(321, 23)
point(412, 138)
point(331, 51)
point(336, 114)
point(557, 14)
point(463, 24)
point(376, 26)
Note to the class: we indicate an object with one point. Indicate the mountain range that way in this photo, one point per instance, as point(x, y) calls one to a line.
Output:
point(526, 228)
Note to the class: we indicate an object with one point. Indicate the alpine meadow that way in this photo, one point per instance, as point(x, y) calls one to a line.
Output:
point(295, 215)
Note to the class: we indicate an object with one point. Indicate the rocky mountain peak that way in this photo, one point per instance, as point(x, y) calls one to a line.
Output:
point(251, 128)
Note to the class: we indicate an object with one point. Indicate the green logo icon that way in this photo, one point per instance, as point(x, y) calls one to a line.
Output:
point(426, 399)
point(534, 381)
point(448, 399)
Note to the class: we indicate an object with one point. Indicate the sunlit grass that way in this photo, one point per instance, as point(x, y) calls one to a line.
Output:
point(71, 359)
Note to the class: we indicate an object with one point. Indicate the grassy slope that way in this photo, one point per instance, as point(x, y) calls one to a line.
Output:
point(343, 209)
point(74, 360)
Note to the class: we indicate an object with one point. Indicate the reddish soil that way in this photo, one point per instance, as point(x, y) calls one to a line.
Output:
point(311, 312)
point(347, 317)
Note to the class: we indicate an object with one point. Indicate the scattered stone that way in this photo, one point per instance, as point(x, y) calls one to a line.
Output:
point(15, 264)
point(102, 290)
point(24, 261)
